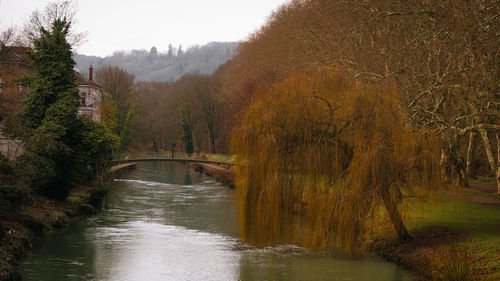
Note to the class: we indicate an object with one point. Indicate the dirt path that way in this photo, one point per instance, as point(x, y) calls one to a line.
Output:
point(477, 198)
point(490, 188)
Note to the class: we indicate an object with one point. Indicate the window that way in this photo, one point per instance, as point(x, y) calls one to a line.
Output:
point(83, 96)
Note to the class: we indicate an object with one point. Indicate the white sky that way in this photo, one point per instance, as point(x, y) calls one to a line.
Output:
point(140, 24)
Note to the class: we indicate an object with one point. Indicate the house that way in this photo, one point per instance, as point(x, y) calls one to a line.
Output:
point(90, 96)
point(14, 64)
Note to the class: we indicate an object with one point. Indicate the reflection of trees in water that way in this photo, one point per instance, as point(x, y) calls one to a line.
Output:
point(187, 176)
point(269, 264)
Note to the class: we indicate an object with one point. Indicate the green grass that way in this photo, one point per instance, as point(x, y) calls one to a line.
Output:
point(484, 180)
point(221, 158)
point(481, 223)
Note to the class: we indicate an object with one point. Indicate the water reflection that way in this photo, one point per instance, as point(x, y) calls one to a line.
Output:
point(152, 251)
point(282, 264)
point(167, 222)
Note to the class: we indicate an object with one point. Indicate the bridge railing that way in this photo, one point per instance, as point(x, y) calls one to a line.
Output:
point(178, 155)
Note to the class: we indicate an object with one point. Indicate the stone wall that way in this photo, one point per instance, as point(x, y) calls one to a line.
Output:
point(10, 148)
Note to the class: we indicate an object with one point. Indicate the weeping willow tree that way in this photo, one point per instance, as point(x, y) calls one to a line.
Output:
point(324, 162)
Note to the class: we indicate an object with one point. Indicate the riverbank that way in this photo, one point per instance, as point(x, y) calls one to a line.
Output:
point(222, 174)
point(453, 239)
point(19, 228)
point(40, 216)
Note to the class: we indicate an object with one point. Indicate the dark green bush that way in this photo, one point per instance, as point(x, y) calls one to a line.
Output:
point(6, 170)
point(11, 197)
point(93, 146)
point(36, 171)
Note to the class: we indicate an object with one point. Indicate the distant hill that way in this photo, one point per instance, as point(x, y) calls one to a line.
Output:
point(165, 67)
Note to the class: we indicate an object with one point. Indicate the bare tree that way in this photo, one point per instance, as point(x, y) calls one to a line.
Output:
point(209, 106)
point(11, 36)
point(117, 88)
point(39, 20)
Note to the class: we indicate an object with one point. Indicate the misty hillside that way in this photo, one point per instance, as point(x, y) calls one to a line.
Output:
point(163, 66)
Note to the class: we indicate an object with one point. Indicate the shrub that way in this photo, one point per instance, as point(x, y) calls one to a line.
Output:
point(452, 264)
point(94, 146)
point(11, 197)
point(6, 170)
point(36, 171)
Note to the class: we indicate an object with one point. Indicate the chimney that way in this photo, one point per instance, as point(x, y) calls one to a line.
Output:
point(91, 73)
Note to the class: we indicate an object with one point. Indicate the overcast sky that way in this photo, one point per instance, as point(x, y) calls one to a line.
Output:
point(140, 24)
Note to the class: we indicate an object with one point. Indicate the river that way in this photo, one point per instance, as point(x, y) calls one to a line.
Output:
point(164, 221)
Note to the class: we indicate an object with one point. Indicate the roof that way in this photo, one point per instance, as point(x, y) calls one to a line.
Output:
point(15, 54)
point(80, 80)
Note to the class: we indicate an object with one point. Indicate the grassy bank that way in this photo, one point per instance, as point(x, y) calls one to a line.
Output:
point(221, 174)
point(454, 239)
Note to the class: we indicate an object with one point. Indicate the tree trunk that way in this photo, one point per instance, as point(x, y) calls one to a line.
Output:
point(395, 217)
point(495, 167)
point(212, 140)
point(470, 150)
point(460, 169)
point(444, 167)
point(498, 163)
point(487, 147)
point(153, 137)
point(462, 179)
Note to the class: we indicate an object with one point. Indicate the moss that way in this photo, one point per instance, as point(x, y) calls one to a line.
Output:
point(73, 198)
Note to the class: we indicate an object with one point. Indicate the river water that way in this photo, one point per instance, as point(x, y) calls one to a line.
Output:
point(164, 221)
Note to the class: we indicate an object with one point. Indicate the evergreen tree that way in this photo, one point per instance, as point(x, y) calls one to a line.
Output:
point(53, 100)
point(62, 150)
point(187, 128)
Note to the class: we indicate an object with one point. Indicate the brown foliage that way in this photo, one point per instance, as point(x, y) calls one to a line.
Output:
point(318, 157)
point(156, 125)
point(443, 55)
point(119, 99)
point(159, 105)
